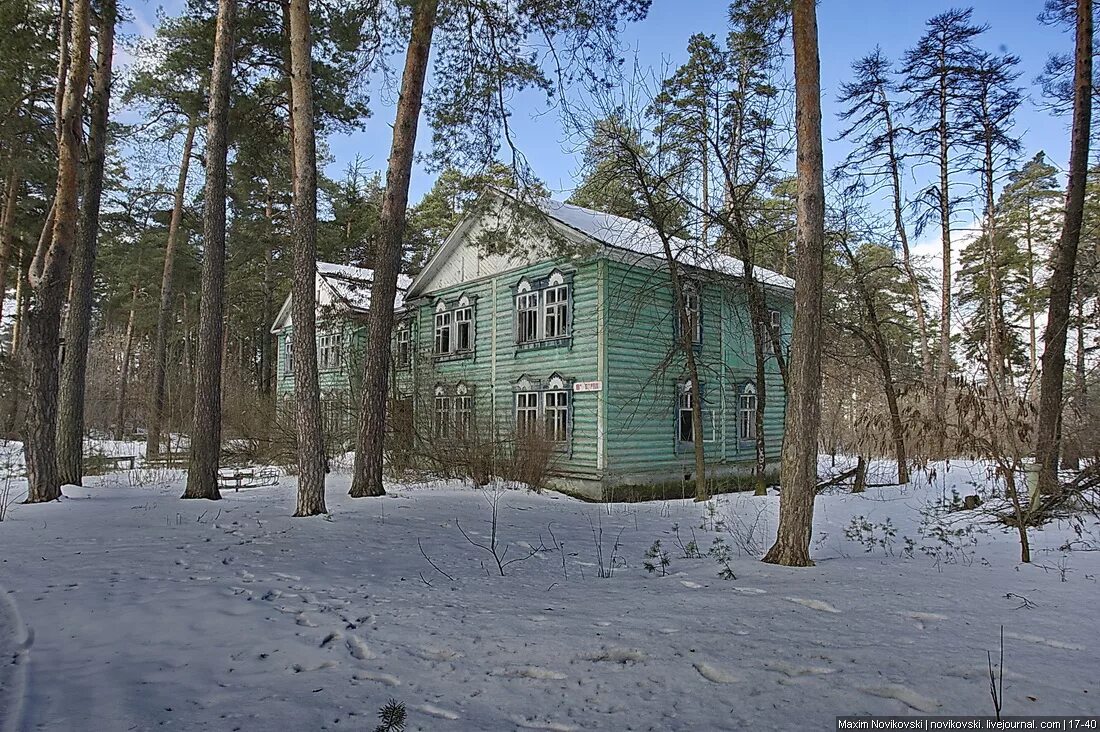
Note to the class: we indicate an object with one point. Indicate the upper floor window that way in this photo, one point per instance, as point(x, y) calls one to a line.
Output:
point(330, 349)
point(288, 354)
point(443, 332)
point(454, 326)
point(692, 317)
point(772, 331)
point(746, 412)
point(527, 313)
point(543, 307)
point(403, 344)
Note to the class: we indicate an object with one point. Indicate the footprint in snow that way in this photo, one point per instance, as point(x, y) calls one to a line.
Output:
point(791, 671)
point(906, 696)
point(529, 672)
point(439, 712)
point(439, 654)
point(814, 604)
point(713, 673)
point(358, 649)
point(378, 676)
point(616, 655)
point(1044, 641)
point(536, 723)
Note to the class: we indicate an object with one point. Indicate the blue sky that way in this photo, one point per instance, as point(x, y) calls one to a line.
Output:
point(848, 30)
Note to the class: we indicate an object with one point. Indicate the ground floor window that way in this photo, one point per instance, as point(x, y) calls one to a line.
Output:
point(685, 425)
point(556, 415)
point(746, 409)
point(454, 411)
point(527, 412)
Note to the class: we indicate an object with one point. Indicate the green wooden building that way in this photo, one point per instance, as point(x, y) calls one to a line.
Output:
point(558, 321)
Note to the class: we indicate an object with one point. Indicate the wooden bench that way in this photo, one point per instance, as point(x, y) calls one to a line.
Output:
point(247, 478)
point(112, 461)
point(169, 460)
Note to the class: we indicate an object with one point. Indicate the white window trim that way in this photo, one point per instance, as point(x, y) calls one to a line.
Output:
point(534, 300)
point(747, 391)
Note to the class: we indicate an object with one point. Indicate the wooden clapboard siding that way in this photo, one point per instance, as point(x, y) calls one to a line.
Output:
point(644, 369)
point(496, 364)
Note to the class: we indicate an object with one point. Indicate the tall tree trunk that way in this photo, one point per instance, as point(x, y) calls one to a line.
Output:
point(1032, 329)
point(70, 427)
point(124, 371)
point(64, 58)
point(47, 276)
point(799, 467)
point(7, 232)
point(21, 270)
point(206, 430)
point(903, 238)
point(307, 390)
point(164, 312)
point(367, 480)
point(943, 363)
point(267, 351)
point(1065, 259)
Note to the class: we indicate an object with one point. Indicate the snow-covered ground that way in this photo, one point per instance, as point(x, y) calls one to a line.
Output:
point(125, 608)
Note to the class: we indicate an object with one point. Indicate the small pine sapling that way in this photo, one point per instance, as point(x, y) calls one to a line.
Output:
point(689, 550)
point(721, 553)
point(657, 558)
point(391, 717)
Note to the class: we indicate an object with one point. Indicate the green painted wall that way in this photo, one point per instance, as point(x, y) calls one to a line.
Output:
point(622, 335)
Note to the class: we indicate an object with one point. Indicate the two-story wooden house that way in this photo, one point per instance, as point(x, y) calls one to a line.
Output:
point(563, 324)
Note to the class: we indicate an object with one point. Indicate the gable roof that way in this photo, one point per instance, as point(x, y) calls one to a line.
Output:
point(352, 285)
point(634, 236)
point(614, 233)
point(345, 287)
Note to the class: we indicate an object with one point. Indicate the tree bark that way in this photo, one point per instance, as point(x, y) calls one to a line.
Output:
point(7, 232)
point(70, 428)
point(164, 312)
point(307, 391)
point(47, 276)
point(124, 372)
point(1065, 259)
point(799, 465)
point(367, 479)
point(206, 431)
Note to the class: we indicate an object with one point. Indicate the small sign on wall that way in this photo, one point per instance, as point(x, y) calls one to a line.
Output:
point(583, 386)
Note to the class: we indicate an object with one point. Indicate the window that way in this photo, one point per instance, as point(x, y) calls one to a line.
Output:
point(443, 332)
point(772, 330)
point(330, 351)
point(555, 311)
point(403, 344)
point(542, 309)
point(693, 311)
point(527, 412)
point(556, 415)
point(464, 328)
point(463, 415)
point(288, 354)
point(685, 427)
point(442, 421)
point(332, 416)
point(527, 312)
point(454, 327)
point(746, 411)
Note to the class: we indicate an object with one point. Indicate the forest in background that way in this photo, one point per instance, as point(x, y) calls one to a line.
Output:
point(110, 232)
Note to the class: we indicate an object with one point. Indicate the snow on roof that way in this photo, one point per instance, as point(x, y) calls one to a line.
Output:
point(634, 236)
point(352, 284)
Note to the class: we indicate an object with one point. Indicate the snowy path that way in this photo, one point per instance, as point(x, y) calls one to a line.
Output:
point(149, 611)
